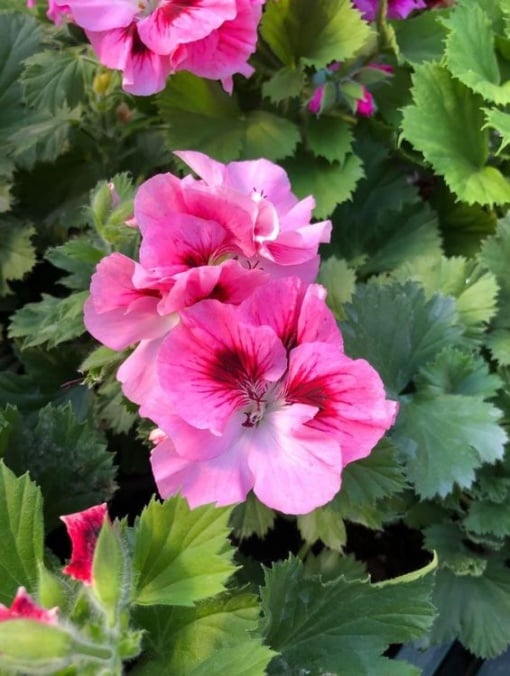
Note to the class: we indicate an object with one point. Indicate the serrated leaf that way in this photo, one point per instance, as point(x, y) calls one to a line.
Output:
point(215, 638)
point(470, 54)
point(323, 524)
point(445, 124)
point(339, 280)
point(329, 183)
point(484, 517)
point(66, 457)
point(267, 135)
point(17, 253)
point(50, 322)
point(252, 517)
point(334, 31)
point(21, 532)
point(329, 137)
point(410, 330)
point(332, 565)
point(448, 541)
point(181, 555)
point(284, 84)
point(457, 372)
point(444, 438)
point(78, 257)
point(476, 610)
point(341, 626)
point(56, 78)
point(500, 122)
point(421, 38)
point(498, 343)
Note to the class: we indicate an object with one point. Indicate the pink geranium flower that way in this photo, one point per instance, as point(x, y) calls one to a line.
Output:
point(83, 528)
point(261, 397)
point(149, 39)
point(397, 9)
point(24, 607)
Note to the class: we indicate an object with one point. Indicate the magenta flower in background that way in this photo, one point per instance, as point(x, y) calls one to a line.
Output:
point(261, 397)
point(83, 528)
point(397, 9)
point(365, 106)
point(150, 39)
point(24, 607)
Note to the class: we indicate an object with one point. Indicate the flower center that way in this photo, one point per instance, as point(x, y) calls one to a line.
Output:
point(261, 399)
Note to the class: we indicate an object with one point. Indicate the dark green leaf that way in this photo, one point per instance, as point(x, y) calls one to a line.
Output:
point(17, 254)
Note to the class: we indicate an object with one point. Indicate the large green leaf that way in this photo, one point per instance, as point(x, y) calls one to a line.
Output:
point(470, 53)
point(78, 257)
point(500, 122)
point(444, 438)
point(445, 124)
point(342, 626)
point(485, 517)
point(215, 638)
point(181, 555)
point(329, 137)
point(325, 525)
point(334, 31)
point(17, 254)
point(21, 532)
point(252, 517)
point(410, 329)
point(476, 610)
point(421, 38)
point(448, 540)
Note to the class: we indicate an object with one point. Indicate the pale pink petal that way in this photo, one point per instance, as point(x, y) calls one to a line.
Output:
point(156, 199)
point(349, 394)
point(138, 373)
point(177, 22)
point(292, 248)
point(306, 271)
point(295, 468)
point(316, 322)
point(211, 171)
point(211, 362)
point(102, 15)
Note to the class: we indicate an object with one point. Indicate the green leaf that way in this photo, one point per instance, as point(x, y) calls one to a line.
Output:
point(78, 257)
point(476, 610)
point(445, 124)
point(323, 524)
point(55, 78)
point(334, 31)
point(21, 533)
point(66, 457)
point(410, 329)
point(485, 517)
point(330, 184)
point(341, 626)
point(284, 84)
point(181, 555)
point(329, 137)
point(448, 541)
point(444, 438)
point(500, 122)
point(332, 565)
point(50, 322)
point(109, 568)
point(498, 343)
point(267, 135)
point(215, 638)
point(252, 517)
point(470, 54)
point(17, 254)
point(339, 280)
point(421, 38)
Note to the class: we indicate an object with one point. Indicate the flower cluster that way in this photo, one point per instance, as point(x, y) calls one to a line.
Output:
point(238, 360)
point(150, 39)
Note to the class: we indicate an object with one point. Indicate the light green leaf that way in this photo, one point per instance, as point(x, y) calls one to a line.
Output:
point(21, 533)
point(476, 610)
point(458, 372)
point(470, 53)
point(109, 571)
point(330, 184)
point(181, 555)
point(284, 84)
point(252, 517)
point(410, 330)
point(498, 343)
point(448, 541)
point(421, 38)
point(17, 253)
point(50, 322)
point(323, 524)
point(267, 135)
point(341, 626)
point(339, 280)
point(444, 438)
point(215, 638)
point(500, 122)
point(329, 137)
point(334, 31)
point(445, 124)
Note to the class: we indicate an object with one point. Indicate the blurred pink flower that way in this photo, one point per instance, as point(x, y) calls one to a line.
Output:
point(397, 9)
point(261, 397)
point(83, 528)
point(315, 103)
point(365, 106)
point(24, 607)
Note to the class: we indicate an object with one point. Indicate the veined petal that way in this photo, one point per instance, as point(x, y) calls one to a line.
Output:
point(156, 199)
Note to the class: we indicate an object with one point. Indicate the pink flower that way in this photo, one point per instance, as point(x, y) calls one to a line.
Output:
point(83, 528)
point(261, 397)
point(56, 12)
point(365, 106)
point(315, 103)
point(24, 607)
point(397, 9)
point(149, 39)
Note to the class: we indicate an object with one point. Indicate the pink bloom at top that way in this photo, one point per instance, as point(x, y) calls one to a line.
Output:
point(397, 9)
point(83, 528)
point(24, 607)
point(260, 396)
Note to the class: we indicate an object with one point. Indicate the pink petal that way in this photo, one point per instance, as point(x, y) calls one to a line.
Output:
point(204, 166)
point(138, 373)
point(210, 361)
point(24, 607)
point(176, 22)
point(156, 200)
point(83, 528)
point(102, 15)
